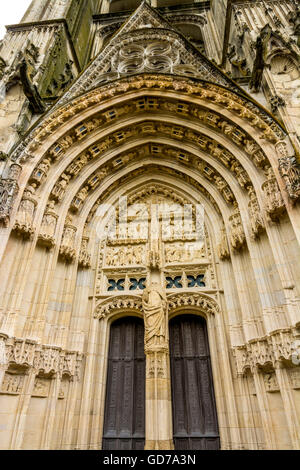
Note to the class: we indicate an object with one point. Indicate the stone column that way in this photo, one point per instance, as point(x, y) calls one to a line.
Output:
point(21, 413)
point(264, 409)
point(159, 432)
point(289, 404)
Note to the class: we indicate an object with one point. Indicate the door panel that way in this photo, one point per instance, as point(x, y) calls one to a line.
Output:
point(124, 420)
point(195, 423)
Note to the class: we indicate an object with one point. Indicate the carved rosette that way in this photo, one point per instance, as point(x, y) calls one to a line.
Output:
point(256, 219)
point(289, 169)
point(67, 251)
point(48, 228)
point(274, 202)
point(237, 234)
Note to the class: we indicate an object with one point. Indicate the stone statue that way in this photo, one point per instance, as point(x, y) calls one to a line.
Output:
point(155, 309)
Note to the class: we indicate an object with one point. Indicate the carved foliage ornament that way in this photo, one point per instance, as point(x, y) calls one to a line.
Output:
point(279, 346)
point(246, 109)
point(174, 302)
point(45, 359)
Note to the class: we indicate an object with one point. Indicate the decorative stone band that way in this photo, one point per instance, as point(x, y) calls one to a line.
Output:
point(175, 302)
point(247, 110)
point(130, 302)
point(50, 360)
point(280, 346)
point(202, 301)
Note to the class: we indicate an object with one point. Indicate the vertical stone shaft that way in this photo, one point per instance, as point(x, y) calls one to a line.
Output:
point(159, 434)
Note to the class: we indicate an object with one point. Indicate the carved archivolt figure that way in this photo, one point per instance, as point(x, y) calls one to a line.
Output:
point(155, 309)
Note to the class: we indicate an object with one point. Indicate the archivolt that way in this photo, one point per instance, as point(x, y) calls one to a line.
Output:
point(104, 138)
point(243, 112)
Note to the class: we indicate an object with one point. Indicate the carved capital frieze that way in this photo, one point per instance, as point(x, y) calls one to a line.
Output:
point(24, 354)
point(266, 352)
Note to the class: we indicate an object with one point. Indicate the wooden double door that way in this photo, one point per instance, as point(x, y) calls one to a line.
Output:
point(194, 412)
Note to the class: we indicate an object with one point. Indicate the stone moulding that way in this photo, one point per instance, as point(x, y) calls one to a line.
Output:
point(128, 302)
point(211, 92)
point(175, 302)
point(201, 301)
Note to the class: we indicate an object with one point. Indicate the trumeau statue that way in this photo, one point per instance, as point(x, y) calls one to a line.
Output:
point(155, 310)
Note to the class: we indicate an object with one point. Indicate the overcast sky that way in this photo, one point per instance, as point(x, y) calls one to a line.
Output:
point(11, 12)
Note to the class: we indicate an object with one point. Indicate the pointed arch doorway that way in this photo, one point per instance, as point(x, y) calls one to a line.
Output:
point(124, 417)
point(195, 425)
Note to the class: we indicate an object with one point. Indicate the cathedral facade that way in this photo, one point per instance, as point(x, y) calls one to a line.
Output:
point(150, 225)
